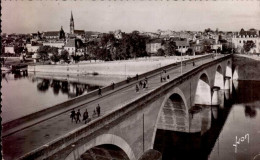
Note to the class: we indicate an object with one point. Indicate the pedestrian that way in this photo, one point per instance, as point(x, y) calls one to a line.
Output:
point(168, 76)
point(77, 116)
point(98, 110)
point(99, 91)
point(193, 63)
point(137, 76)
point(140, 83)
point(72, 115)
point(85, 116)
point(144, 84)
point(94, 113)
point(113, 85)
point(137, 88)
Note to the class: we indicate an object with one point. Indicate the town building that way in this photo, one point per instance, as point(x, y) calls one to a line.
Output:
point(70, 46)
point(51, 34)
point(243, 36)
point(57, 44)
point(54, 35)
point(182, 46)
point(32, 48)
point(9, 49)
point(75, 33)
point(153, 46)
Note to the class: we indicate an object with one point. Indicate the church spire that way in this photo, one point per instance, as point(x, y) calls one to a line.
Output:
point(71, 24)
point(71, 17)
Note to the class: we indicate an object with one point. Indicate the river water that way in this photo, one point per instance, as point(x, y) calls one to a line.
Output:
point(25, 94)
point(233, 135)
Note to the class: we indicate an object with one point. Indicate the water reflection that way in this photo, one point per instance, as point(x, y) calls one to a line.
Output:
point(72, 89)
point(43, 86)
point(213, 129)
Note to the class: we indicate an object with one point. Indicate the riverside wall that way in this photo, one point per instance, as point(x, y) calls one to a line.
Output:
point(125, 68)
point(246, 67)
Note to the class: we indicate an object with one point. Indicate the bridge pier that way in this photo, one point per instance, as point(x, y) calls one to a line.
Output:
point(216, 101)
point(195, 119)
point(227, 83)
point(227, 88)
point(215, 96)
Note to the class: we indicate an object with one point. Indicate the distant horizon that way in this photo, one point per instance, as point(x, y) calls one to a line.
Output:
point(127, 16)
point(138, 30)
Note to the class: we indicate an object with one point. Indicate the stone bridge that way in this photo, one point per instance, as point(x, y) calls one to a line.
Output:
point(187, 104)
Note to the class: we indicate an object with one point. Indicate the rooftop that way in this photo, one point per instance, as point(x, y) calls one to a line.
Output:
point(51, 33)
point(71, 43)
point(182, 43)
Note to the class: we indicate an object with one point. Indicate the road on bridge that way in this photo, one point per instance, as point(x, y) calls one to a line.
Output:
point(31, 138)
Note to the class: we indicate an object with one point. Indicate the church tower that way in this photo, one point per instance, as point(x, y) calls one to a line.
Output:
point(71, 24)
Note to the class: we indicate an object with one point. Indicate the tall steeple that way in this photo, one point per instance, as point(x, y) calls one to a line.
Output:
point(71, 24)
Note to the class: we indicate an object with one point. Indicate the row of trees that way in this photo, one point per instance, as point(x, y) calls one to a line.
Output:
point(110, 48)
point(129, 46)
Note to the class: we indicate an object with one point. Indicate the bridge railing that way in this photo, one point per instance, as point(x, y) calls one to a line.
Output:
point(81, 135)
point(66, 106)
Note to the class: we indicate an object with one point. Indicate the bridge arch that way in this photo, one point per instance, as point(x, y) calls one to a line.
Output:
point(102, 140)
point(219, 77)
point(175, 108)
point(203, 90)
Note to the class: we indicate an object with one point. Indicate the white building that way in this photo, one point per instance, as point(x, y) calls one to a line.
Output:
point(182, 46)
point(154, 45)
point(57, 44)
point(9, 49)
point(32, 48)
point(240, 39)
point(70, 46)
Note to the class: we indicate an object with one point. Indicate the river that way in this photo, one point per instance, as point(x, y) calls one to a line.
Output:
point(233, 135)
point(25, 94)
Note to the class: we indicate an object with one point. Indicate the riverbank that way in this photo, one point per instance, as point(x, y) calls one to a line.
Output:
point(123, 68)
point(246, 67)
point(98, 80)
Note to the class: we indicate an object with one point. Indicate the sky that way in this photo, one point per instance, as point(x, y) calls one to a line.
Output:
point(149, 16)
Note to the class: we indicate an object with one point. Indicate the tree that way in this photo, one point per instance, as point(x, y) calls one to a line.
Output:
point(65, 56)
point(76, 58)
point(170, 48)
point(160, 52)
point(189, 52)
point(18, 49)
point(206, 46)
point(43, 51)
point(248, 46)
point(55, 58)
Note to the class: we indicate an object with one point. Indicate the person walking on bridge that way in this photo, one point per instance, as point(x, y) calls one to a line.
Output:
point(85, 116)
point(99, 91)
point(72, 115)
point(146, 82)
point(137, 88)
point(77, 116)
point(98, 110)
point(113, 85)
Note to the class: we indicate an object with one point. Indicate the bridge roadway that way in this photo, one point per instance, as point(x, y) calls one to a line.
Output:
point(25, 140)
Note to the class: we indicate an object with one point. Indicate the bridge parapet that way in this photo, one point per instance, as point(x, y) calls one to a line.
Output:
point(79, 136)
point(63, 107)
